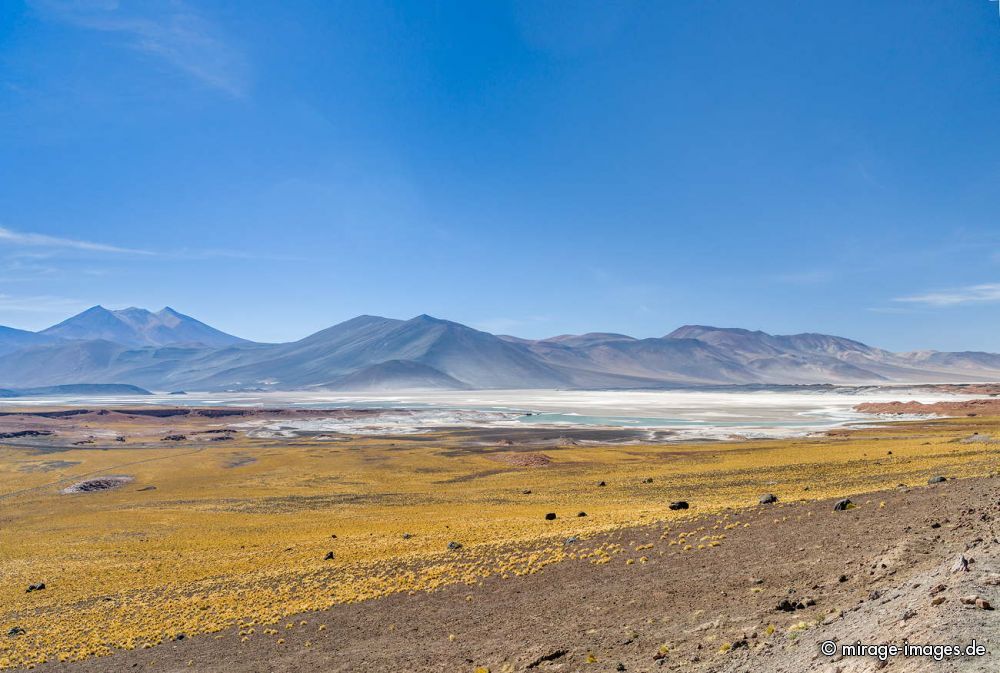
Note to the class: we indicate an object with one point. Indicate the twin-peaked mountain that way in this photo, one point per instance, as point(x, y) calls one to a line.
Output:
point(139, 327)
point(168, 351)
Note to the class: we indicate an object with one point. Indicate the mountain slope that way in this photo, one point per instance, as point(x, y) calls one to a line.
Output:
point(655, 361)
point(396, 375)
point(15, 339)
point(169, 351)
point(139, 327)
point(820, 358)
point(473, 358)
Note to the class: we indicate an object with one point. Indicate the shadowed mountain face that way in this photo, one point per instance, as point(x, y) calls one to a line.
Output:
point(168, 351)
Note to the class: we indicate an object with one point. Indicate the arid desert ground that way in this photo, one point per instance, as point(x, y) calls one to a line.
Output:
point(171, 538)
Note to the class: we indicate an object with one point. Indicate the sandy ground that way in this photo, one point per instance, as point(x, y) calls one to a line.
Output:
point(869, 572)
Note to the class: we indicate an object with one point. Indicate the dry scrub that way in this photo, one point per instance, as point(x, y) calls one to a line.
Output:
point(212, 546)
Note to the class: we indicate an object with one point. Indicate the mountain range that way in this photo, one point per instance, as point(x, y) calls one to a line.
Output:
point(168, 350)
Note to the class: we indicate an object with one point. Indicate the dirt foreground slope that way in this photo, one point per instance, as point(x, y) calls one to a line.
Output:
point(872, 573)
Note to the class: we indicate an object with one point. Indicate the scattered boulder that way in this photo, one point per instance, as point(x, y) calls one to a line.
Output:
point(174, 438)
point(647, 480)
point(843, 505)
point(526, 491)
point(35, 587)
point(454, 545)
point(679, 504)
point(15, 631)
point(961, 564)
point(768, 499)
point(329, 556)
point(581, 514)
point(551, 516)
point(407, 536)
point(937, 480)
point(601, 483)
point(786, 605)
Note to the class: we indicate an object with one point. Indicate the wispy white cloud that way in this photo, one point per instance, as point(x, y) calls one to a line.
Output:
point(38, 304)
point(971, 294)
point(29, 245)
point(170, 31)
point(9, 237)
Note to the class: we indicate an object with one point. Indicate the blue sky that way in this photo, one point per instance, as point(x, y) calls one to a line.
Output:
point(526, 168)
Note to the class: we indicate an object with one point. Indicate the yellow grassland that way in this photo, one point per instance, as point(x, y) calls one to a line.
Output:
point(215, 546)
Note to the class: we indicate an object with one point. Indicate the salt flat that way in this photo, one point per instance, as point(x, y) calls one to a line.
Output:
point(781, 411)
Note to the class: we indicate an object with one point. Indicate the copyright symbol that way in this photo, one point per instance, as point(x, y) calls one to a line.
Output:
point(828, 647)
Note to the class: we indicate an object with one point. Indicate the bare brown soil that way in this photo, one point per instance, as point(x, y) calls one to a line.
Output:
point(867, 573)
point(521, 459)
point(978, 407)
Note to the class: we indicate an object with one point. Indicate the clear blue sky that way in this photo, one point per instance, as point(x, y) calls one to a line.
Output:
point(527, 168)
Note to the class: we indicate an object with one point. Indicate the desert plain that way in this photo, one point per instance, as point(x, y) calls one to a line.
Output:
point(177, 538)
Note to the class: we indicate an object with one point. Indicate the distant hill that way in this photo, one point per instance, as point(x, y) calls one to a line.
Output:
point(139, 327)
point(396, 375)
point(15, 339)
point(170, 351)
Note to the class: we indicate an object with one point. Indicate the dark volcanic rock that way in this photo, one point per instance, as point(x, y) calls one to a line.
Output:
point(25, 433)
point(98, 484)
